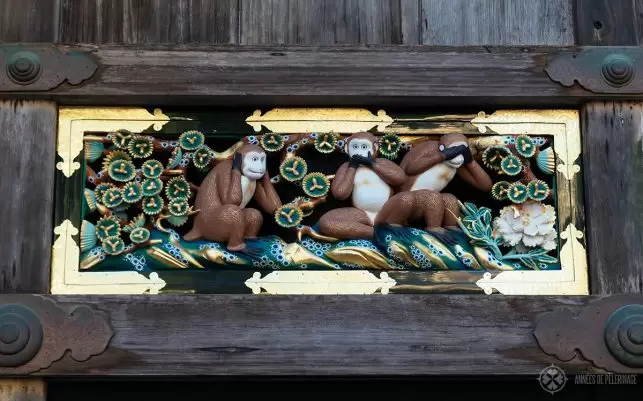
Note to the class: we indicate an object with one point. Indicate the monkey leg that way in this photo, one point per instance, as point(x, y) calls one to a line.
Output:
point(397, 210)
point(346, 223)
point(231, 222)
point(253, 220)
point(431, 205)
point(451, 211)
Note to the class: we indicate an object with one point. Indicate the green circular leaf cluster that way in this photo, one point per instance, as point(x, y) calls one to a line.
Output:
point(175, 158)
point(191, 140)
point(132, 192)
point(293, 169)
point(202, 158)
point(493, 156)
point(138, 221)
point(112, 198)
point(152, 169)
point(101, 189)
point(121, 138)
point(538, 190)
point(525, 146)
point(288, 216)
point(272, 142)
point(177, 188)
point(114, 156)
point(113, 245)
point(152, 205)
point(108, 227)
point(152, 186)
point(518, 192)
point(511, 165)
point(500, 190)
point(315, 185)
point(140, 147)
point(177, 221)
point(178, 206)
point(390, 145)
point(326, 143)
point(122, 170)
point(139, 235)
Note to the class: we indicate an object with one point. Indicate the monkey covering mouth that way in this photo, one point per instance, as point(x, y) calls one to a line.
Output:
point(368, 180)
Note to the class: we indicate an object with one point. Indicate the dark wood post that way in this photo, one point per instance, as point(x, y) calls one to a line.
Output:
point(27, 152)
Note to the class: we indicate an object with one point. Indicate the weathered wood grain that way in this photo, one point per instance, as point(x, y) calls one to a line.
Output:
point(27, 146)
point(613, 164)
point(497, 22)
point(28, 21)
point(381, 76)
point(148, 21)
point(323, 22)
point(175, 335)
point(608, 22)
point(22, 390)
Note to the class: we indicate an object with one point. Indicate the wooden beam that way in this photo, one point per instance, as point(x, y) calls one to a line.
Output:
point(27, 148)
point(22, 390)
point(613, 164)
point(174, 335)
point(607, 22)
point(381, 76)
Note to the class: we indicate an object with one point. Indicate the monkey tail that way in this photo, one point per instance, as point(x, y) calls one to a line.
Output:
point(307, 230)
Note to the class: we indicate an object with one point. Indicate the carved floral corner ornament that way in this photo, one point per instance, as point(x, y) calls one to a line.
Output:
point(35, 332)
point(42, 68)
point(609, 333)
point(609, 70)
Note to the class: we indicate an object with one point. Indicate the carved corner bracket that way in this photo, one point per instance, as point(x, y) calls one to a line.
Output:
point(35, 332)
point(42, 68)
point(606, 70)
point(609, 333)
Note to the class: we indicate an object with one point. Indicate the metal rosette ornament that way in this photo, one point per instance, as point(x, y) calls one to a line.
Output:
point(500, 190)
point(24, 337)
point(202, 158)
point(525, 146)
point(538, 190)
point(390, 145)
point(623, 335)
point(139, 235)
point(140, 147)
point(191, 140)
point(152, 169)
point(518, 193)
point(326, 143)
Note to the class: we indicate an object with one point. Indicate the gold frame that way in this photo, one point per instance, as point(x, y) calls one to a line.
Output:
point(572, 279)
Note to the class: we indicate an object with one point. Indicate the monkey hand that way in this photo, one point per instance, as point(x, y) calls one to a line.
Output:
point(237, 160)
point(453, 152)
point(367, 161)
point(468, 157)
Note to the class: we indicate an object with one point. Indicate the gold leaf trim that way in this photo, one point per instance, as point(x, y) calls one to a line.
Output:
point(66, 279)
point(571, 279)
point(73, 122)
point(562, 124)
point(321, 282)
point(301, 120)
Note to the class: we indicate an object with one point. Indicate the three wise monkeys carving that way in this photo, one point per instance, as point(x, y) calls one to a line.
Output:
point(380, 191)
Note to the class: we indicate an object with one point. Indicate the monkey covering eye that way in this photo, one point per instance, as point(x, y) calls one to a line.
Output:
point(368, 181)
point(430, 167)
point(224, 194)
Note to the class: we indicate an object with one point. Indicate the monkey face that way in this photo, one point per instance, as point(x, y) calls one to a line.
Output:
point(361, 147)
point(452, 141)
point(254, 165)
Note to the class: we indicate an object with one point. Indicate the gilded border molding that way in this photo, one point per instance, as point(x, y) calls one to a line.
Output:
point(318, 120)
point(320, 282)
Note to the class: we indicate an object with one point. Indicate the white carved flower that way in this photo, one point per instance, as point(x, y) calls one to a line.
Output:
point(530, 224)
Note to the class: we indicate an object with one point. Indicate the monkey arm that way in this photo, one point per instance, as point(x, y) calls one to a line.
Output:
point(423, 157)
point(476, 176)
point(266, 195)
point(231, 192)
point(390, 172)
point(342, 185)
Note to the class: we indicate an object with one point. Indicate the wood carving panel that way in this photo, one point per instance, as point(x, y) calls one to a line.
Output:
point(323, 201)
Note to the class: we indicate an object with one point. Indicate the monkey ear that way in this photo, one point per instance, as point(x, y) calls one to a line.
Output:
point(376, 147)
point(346, 147)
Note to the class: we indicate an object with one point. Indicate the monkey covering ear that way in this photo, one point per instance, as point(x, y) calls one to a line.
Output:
point(368, 181)
point(224, 194)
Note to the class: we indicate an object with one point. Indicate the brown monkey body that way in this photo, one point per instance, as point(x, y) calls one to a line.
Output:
point(369, 185)
point(429, 171)
point(222, 198)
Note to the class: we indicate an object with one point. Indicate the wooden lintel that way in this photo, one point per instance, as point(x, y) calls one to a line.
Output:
point(187, 335)
point(376, 75)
